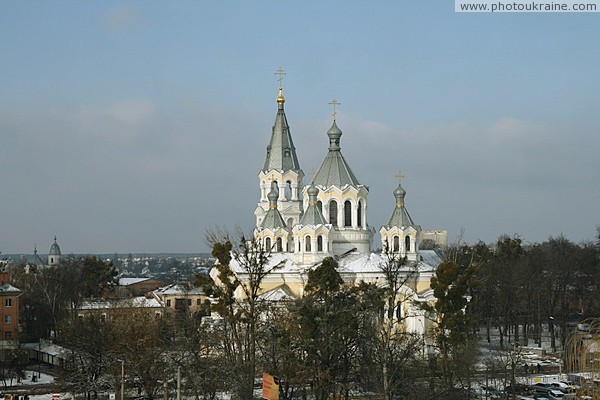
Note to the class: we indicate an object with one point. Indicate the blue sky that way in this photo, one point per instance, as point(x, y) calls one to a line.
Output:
point(136, 126)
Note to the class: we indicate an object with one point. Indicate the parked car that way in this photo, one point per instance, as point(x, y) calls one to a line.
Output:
point(563, 387)
point(518, 388)
point(555, 394)
point(541, 387)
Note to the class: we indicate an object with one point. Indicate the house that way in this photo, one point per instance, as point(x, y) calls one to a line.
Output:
point(133, 287)
point(116, 308)
point(180, 297)
point(9, 313)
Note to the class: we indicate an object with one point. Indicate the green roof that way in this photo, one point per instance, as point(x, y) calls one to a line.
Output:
point(400, 217)
point(281, 153)
point(312, 215)
point(54, 249)
point(334, 170)
point(273, 218)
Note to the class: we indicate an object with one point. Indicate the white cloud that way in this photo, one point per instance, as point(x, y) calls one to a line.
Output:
point(122, 16)
point(514, 132)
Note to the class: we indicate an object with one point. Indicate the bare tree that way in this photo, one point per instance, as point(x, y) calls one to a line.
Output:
point(242, 265)
point(396, 346)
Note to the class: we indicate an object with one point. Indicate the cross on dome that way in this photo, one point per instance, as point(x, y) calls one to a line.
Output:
point(280, 72)
point(399, 177)
point(334, 103)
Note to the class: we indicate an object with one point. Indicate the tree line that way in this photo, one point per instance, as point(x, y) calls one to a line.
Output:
point(521, 288)
point(339, 339)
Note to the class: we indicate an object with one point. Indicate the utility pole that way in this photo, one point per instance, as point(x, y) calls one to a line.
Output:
point(122, 379)
point(178, 383)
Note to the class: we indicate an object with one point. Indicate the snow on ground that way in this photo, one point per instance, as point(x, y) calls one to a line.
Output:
point(30, 380)
point(50, 396)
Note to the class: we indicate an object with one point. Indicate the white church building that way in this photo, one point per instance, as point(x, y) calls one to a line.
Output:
point(302, 224)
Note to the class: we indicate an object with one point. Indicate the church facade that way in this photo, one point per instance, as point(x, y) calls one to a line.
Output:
point(301, 224)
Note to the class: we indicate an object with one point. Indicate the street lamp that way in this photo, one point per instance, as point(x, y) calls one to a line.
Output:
point(122, 378)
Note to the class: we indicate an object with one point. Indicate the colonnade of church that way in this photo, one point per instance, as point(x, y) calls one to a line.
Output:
point(349, 214)
point(305, 243)
point(395, 244)
point(276, 245)
point(311, 244)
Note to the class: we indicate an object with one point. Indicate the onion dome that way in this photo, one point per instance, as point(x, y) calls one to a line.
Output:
point(400, 217)
point(54, 249)
point(273, 218)
point(335, 171)
point(312, 215)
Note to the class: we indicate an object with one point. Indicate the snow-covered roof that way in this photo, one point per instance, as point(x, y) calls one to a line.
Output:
point(281, 262)
point(178, 289)
point(353, 263)
point(45, 347)
point(134, 302)
point(279, 293)
point(431, 257)
point(131, 281)
point(7, 288)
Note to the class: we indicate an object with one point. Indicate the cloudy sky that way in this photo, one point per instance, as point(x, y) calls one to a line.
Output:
point(136, 126)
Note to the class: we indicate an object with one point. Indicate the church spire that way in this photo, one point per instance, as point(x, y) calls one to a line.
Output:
point(281, 153)
point(281, 169)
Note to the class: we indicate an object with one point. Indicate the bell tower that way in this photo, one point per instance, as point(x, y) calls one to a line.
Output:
point(281, 171)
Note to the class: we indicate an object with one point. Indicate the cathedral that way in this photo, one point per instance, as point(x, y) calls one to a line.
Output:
point(301, 224)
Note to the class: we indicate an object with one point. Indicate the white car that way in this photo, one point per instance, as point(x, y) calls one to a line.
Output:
point(555, 394)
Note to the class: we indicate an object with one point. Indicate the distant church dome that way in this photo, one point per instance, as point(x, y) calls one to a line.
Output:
point(54, 249)
point(54, 254)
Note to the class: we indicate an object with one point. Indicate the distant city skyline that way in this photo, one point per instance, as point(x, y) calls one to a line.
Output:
point(135, 127)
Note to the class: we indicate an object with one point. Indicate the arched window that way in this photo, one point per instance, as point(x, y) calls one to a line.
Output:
point(268, 244)
point(386, 245)
point(320, 206)
point(275, 186)
point(307, 243)
point(288, 190)
point(399, 311)
point(359, 215)
point(279, 244)
point(333, 213)
point(407, 243)
point(347, 213)
point(396, 244)
point(319, 243)
point(290, 222)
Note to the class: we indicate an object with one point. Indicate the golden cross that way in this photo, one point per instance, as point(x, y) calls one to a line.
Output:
point(334, 103)
point(399, 176)
point(281, 73)
point(312, 174)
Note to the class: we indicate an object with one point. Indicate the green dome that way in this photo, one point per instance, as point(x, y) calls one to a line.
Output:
point(54, 249)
